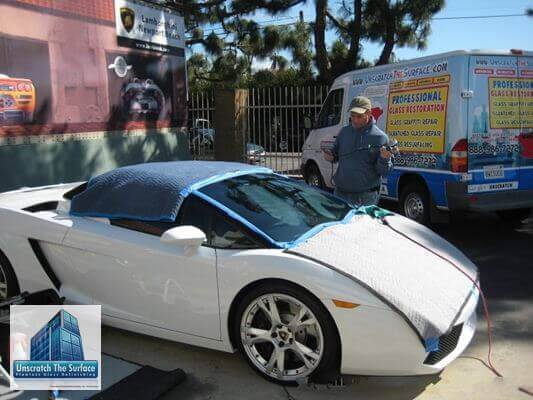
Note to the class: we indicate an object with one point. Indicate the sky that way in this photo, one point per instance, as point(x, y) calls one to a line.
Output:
point(447, 35)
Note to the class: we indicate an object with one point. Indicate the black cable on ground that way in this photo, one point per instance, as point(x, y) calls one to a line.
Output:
point(289, 396)
point(526, 390)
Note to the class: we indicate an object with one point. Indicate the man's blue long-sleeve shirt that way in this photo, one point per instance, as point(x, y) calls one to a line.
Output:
point(360, 168)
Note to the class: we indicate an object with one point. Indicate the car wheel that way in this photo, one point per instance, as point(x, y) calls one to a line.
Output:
point(8, 281)
point(514, 218)
point(414, 203)
point(313, 177)
point(286, 335)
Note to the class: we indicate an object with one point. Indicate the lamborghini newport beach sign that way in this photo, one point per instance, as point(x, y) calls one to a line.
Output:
point(145, 26)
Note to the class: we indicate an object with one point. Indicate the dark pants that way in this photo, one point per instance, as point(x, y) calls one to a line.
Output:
point(358, 199)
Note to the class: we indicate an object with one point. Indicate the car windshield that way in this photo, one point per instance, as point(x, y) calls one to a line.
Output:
point(282, 208)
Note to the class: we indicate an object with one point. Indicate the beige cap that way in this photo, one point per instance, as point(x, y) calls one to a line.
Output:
point(360, 105)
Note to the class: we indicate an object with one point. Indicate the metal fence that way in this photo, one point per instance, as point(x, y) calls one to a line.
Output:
point(275, 130)
point(201, 132)
point(275, 117)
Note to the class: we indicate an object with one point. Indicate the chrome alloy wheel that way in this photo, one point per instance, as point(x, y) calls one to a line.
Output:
point(414, 206)
point(282, 337)
point(3, 283)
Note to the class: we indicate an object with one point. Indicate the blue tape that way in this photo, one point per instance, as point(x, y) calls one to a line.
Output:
point(166, 218)
point(237, 217)
point(373, 211)
point(431, 344)
point(318, 228)
point(217, 178)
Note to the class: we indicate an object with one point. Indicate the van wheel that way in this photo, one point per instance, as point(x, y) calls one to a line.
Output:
point(414, 203)
point(313, 177)
point(514, 218)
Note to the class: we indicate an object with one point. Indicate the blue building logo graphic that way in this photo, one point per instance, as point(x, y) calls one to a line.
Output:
point(56, 352)
point(58, 340)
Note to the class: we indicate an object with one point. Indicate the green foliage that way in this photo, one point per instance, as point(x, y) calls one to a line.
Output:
point(237, 39)
point(400, 23)
point(298, 42)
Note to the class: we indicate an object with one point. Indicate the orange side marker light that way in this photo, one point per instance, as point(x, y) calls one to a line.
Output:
point(344, 304)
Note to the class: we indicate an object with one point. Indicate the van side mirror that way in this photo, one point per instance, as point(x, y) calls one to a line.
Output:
point(190, 237)
point(308, 123)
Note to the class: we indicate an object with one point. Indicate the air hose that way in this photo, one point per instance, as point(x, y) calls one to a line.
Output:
point(381, 214)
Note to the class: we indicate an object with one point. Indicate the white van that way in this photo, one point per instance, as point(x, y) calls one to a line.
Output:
point(464, 124)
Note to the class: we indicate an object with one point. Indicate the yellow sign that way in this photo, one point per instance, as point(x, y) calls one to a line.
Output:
point(424, 82)
point(511, 103)
point(417, 118)
point(441, 79)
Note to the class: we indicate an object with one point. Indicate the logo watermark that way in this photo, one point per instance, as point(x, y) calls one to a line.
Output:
point(55, 347)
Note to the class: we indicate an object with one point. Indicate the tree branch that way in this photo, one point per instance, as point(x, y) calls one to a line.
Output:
point(336, 22)
point(205, 78)
point(355, 36)
point(191, 42)
point(322, 60)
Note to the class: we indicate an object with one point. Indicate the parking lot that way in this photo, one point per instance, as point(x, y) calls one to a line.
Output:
point(504, 258)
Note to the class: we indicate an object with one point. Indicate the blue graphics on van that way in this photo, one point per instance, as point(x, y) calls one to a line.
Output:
point(502, 115)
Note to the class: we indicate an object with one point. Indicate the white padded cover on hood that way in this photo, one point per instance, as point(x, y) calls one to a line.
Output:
point(423, 287)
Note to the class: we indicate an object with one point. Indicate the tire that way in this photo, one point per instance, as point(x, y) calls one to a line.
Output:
point(8, 281)
point(266, 345)
point(414, 203)
point(313, 177)
point(514, 218)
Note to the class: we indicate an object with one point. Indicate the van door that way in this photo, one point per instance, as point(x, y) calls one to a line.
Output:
point(328, 125)
point(525, 138)
point(493, 124)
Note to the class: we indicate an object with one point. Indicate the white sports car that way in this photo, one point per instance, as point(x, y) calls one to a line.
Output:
point(231, 256)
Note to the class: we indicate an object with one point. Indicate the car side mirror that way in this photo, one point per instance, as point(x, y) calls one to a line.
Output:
point(187, 236)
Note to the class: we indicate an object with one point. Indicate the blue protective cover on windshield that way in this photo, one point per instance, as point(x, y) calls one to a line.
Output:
point(151, 191)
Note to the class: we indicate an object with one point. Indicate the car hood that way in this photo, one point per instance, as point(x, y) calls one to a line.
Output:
point(424, 288)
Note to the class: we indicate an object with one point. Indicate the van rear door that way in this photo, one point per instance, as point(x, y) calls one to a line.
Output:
point(493, 124)
point(525, 138)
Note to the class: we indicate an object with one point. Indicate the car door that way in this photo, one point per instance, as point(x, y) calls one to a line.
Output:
point(136, 277)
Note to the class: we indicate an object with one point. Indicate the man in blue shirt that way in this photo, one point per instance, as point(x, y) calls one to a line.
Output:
point(362, 156)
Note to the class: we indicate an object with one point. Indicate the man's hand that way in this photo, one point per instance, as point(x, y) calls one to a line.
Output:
point(328, 155)
point(386, 154)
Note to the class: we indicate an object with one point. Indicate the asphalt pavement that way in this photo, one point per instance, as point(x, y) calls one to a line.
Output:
point(505, 259)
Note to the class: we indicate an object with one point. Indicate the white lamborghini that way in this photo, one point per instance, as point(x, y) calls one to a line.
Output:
point(230, 256)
